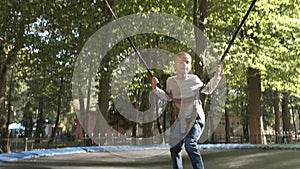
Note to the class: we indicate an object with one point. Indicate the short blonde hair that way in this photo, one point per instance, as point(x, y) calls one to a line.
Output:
point(182, 54)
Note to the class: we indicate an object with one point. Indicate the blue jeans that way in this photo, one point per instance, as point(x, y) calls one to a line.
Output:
point(190, 143)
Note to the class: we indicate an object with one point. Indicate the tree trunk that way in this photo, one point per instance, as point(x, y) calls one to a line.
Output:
point(4, 144)
point(227, 122)
point(255, 111)
point(89, 130)
point(147, 127)
point(277, 117)
point(103, 99)
point(104, 82)
point(293, 111)
point(200, 11)
point(82, 118)
point(11, 86)
point(28, 119)
point(135, 125)
point(245, 119)
point(39, 133)
point(199, 18)
point(246, 132)
point(298, 109)
point(286, 118)
point(158, 123)
point(200, 14)
point(53, 134)
point(135, 133)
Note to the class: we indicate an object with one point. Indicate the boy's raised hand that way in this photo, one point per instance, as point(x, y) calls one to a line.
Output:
point(218, 69)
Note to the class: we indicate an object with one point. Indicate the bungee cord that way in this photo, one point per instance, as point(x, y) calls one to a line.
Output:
point(135, 48)
point(144, 62)
point(238, 30)
point(128, 39)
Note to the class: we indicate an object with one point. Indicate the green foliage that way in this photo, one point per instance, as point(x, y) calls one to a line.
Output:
point(269, 41)
point(43, 39)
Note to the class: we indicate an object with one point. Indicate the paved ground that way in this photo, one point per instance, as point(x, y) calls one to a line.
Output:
point(213, 159)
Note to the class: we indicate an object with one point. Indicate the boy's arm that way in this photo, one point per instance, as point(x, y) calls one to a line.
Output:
point(213, 83)
point(159, 92)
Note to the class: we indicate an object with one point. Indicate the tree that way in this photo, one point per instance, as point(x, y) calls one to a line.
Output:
point(286, 120)
point(255, 111)
point(277, 116)
point(41, 41)
point(14, 35)
point(258, 45)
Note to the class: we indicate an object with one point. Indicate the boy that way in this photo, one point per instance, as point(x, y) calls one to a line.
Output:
point(184, 89)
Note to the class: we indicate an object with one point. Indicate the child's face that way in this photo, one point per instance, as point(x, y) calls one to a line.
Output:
point(183, 64)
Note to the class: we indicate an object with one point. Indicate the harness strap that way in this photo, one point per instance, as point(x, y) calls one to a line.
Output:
point(178, 102)
point(185, 101)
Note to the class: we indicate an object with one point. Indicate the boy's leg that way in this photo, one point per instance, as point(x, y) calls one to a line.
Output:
point(176, 143)
point(191, 144)
point(176, 156)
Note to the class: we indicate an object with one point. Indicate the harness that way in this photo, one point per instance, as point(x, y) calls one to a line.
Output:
point(185, 101)
point(178, 103)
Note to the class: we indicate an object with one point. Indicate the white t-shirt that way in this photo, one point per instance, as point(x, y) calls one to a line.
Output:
point(186, 88)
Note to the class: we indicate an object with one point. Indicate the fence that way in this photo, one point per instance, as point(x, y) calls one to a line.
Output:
point(26, 144)
point(18, 144)
point(270, 138)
